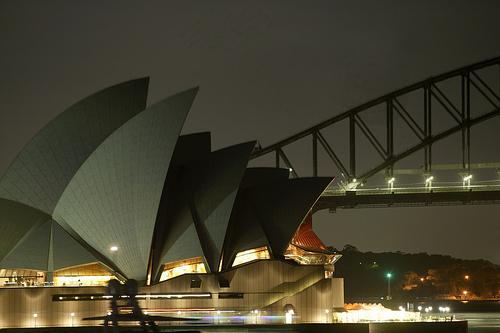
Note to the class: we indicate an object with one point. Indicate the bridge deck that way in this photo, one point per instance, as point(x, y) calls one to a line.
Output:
point(405, 197)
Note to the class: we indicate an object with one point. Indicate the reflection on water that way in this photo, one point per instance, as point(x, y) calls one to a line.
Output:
point(486, 322)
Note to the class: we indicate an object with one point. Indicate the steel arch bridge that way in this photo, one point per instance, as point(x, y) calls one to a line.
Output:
point(466, 96)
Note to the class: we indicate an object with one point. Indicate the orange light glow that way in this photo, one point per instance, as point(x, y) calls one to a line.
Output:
point(259, 253)
point(193, 265)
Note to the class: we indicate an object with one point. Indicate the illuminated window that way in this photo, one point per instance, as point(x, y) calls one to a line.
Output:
point(85, 275)
point(21, 278)
point(173, 269)
point(259, 253)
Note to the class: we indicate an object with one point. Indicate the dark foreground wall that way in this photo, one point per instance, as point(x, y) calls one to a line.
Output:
point(422, 327)
point(290, 328)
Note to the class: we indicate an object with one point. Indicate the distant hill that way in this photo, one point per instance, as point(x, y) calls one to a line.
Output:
point(415, 276)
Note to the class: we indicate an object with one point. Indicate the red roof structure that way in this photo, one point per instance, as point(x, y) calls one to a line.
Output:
point(306, 238)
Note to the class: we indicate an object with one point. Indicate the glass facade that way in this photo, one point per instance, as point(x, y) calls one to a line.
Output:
point(306, 257)
point(85, 275)
point(259, 253)
point(21, 278)
point(173, 269)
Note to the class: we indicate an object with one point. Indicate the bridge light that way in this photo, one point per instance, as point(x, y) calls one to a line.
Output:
point(466, 180)
point(351, 185)
point(428, 181)
point(390, 182)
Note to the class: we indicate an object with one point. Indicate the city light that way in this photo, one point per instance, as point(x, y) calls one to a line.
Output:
point(374, 313)
point(444, 309)
point(466, 277)
point(35, 316)
point(113, 248)
point(288, 316)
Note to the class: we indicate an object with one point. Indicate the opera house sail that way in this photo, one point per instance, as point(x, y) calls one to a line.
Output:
point(110, 189)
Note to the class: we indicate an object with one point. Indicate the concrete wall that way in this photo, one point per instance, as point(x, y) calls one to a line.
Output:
point(266, 285)
point(18, 305)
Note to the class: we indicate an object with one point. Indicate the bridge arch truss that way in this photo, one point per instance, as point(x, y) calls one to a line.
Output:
point(467, 96)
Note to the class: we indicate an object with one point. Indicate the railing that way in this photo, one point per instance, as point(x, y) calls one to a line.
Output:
point(411, 190)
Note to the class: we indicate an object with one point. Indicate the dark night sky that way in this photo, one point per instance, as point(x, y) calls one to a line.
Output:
point(266, 70)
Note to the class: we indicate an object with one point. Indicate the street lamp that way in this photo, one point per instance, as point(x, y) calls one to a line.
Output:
point(389, 276)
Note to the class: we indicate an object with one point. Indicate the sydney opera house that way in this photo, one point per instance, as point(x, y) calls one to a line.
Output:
point(110, 189)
